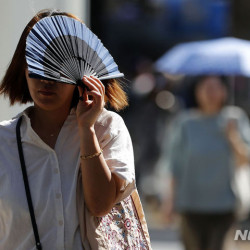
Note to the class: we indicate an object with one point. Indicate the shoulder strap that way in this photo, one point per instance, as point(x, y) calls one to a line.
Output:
point(140, 213)
point(26, 184)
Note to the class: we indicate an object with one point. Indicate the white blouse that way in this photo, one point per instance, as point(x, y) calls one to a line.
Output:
point(52, 175)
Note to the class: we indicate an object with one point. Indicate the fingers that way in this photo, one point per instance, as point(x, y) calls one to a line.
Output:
point(94, 93)
point(99, 84)
point(97, 97)
point(95, 89)
point(94, 84)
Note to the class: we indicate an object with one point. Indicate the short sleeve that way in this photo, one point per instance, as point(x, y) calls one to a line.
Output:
point(117, 149)
point(244, 129)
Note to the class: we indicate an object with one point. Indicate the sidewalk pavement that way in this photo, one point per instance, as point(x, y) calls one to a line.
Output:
point(161, 245)
point(164, 237)
point(168, 239)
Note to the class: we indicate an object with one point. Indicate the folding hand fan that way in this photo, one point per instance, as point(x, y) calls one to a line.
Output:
point(63, 49)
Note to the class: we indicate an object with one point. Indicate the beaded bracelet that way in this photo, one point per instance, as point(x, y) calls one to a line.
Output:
point(86, 157)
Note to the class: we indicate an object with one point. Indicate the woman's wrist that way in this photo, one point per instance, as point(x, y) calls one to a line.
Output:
point(87, 136)
point(86, 129)
point(88, 141)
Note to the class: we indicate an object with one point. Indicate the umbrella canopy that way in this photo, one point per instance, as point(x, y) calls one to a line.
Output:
point(224, 56)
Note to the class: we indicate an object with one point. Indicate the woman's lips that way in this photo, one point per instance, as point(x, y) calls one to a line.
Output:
point(46, 92)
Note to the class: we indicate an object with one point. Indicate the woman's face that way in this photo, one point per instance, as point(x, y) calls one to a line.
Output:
point(50, 95)
point(211, 93)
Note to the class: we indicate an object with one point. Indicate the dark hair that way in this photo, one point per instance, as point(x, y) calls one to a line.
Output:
point(14, 84)
point(195, 83)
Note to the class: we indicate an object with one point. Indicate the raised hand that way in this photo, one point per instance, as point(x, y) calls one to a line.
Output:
point(92, 102)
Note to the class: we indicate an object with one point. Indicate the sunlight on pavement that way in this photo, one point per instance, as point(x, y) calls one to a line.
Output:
point(157, 245)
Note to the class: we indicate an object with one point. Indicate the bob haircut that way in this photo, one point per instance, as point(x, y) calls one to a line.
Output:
point(195, 83)
point(14, 84)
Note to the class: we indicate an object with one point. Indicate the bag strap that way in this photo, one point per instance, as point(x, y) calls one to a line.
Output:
point(26, 184)
point(140, 214)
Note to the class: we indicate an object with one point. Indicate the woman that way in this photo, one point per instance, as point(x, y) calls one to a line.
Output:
point(207, 143)
point(59, 134)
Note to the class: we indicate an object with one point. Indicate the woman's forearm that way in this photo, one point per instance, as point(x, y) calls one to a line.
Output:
point(240, 149)
point(99, 184)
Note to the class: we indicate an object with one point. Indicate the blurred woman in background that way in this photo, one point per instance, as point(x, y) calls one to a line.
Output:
point(206, 144)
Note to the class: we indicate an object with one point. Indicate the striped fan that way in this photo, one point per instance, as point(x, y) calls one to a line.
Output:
point(63, 49)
